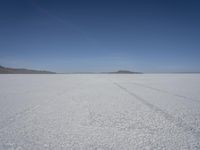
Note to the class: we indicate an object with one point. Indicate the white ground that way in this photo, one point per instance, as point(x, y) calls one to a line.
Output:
point(122, 112)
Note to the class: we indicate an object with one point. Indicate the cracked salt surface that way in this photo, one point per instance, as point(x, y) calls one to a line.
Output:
point(99, 112)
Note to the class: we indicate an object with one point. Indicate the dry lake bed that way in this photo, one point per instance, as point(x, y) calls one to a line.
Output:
point(100, 111)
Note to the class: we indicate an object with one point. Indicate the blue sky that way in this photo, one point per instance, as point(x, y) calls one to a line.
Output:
point(75, 36)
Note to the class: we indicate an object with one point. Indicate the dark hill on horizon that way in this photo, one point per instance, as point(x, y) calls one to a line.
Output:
point(6, 70)
point(124, 72)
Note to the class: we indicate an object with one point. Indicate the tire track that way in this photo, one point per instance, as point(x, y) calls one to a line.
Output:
point(177, 121)
point(10, 120)
point(17, 116)
point(166, 92)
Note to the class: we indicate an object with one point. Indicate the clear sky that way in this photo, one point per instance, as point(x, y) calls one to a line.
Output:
point(100, 35)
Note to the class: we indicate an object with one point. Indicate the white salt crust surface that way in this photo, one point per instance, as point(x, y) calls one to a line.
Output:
point(99, 111)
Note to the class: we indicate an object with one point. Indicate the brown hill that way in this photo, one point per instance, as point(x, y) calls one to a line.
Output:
point(5, 70)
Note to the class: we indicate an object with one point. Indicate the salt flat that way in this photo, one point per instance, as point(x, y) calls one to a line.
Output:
point(99, 111)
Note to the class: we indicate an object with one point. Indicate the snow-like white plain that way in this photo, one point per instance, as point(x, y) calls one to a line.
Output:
point(99, 111)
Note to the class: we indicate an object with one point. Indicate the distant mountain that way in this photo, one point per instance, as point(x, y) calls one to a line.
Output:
point(124, 72)
point(5, 70)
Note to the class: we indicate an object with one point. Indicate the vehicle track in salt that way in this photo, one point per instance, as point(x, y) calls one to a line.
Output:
point(177, 121)
point(10, 120)
point(166, 92)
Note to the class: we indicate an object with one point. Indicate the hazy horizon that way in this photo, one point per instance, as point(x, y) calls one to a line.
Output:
point(100, 36)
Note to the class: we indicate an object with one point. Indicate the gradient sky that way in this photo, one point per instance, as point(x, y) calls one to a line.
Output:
point(103, 35)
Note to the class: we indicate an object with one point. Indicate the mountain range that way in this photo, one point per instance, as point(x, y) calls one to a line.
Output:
point(6, 70)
